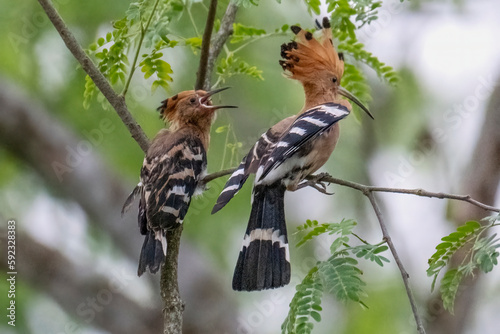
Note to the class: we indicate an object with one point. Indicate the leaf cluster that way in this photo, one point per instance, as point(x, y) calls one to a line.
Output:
point(145, 26)
point(232, 65)
point(480, 254)
point(339, 274)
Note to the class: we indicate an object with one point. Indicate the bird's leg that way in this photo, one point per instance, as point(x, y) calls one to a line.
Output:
point(316, 182)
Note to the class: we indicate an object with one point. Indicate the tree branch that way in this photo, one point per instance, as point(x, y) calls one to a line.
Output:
point(116, 101)
point(416, 192)
point(364, 188)
point(216, 175)
point(218, 41)
point(402, 270)
point(205, 46)
point(173, 304)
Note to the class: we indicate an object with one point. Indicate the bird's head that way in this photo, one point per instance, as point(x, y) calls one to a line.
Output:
point(190, 107)
point(317, 65)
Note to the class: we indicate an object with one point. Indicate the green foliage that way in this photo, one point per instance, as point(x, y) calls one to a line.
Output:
point(339, 274)
point(151, 64)
point(449, 287)
point(480, 254)
point(357, 51)
point(342, 278)
point(370, 252)
point(242, 33)
point(305, 305)
point(232, 65)
point(246, 3)
point(145, 25)
point(344, 228)
point(355, 82)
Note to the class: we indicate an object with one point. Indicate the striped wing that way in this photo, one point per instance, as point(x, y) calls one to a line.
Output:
point(250, 163)
point(307, 126)
point(169, 181)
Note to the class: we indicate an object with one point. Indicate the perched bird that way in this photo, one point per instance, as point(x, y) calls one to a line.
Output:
point(171, 172)
point(285, 155)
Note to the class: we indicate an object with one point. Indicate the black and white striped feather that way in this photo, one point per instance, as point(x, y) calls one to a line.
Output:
point(249, 164)
point(309, 125)
point(274, 147)
point(169, 178)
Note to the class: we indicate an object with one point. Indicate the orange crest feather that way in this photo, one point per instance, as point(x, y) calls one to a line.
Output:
point(169, 105)
point(306, 57)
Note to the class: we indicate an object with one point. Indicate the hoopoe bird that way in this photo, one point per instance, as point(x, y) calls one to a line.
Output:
point(285, 155)
point(174, 165)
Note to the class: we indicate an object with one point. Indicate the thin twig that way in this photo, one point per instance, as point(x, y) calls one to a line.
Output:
point(139, 45)
point(205, 45)
point(364, 188)
point(416, 192)
point(213, 176)
point(219, 40)
point(116, 101)
point(404, 274)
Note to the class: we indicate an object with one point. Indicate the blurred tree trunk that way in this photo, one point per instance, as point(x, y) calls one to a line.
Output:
point(481, 182)
point(90, 298)
point(31, 134)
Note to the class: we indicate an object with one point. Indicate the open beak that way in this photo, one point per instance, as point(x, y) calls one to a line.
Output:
point(346, 93)
point(206, 102)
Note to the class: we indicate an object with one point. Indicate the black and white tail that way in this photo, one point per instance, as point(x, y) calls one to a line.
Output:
point(152, 252)
point(264, 260)
point(233, 185)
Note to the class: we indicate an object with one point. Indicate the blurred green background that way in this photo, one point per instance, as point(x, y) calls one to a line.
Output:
point(76, 257)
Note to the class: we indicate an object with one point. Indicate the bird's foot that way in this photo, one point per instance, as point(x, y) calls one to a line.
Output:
point(316, 182)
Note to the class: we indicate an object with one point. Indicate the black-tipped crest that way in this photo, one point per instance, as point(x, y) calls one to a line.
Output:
point(162, 107)
point(326, 23)
point(295, 29)
point(307, 56)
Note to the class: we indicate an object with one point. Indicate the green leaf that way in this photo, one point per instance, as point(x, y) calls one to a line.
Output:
point(221, 129)
point(342, 278)
point(449, 287)
point(313, 6)
point(194, 42)
point(369, 252)
point(451, 243)
point(305, 305)
point(343, 228)
point(242, 32)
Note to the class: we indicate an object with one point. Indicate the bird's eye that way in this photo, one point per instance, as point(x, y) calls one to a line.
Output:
point(334, 79)
point(193, 100)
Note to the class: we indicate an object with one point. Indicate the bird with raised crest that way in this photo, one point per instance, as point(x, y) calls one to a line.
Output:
point(172, 171)
point(286, 154)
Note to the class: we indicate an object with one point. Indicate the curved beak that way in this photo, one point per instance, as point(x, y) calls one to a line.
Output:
point(346, 93)
point(206, 102)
